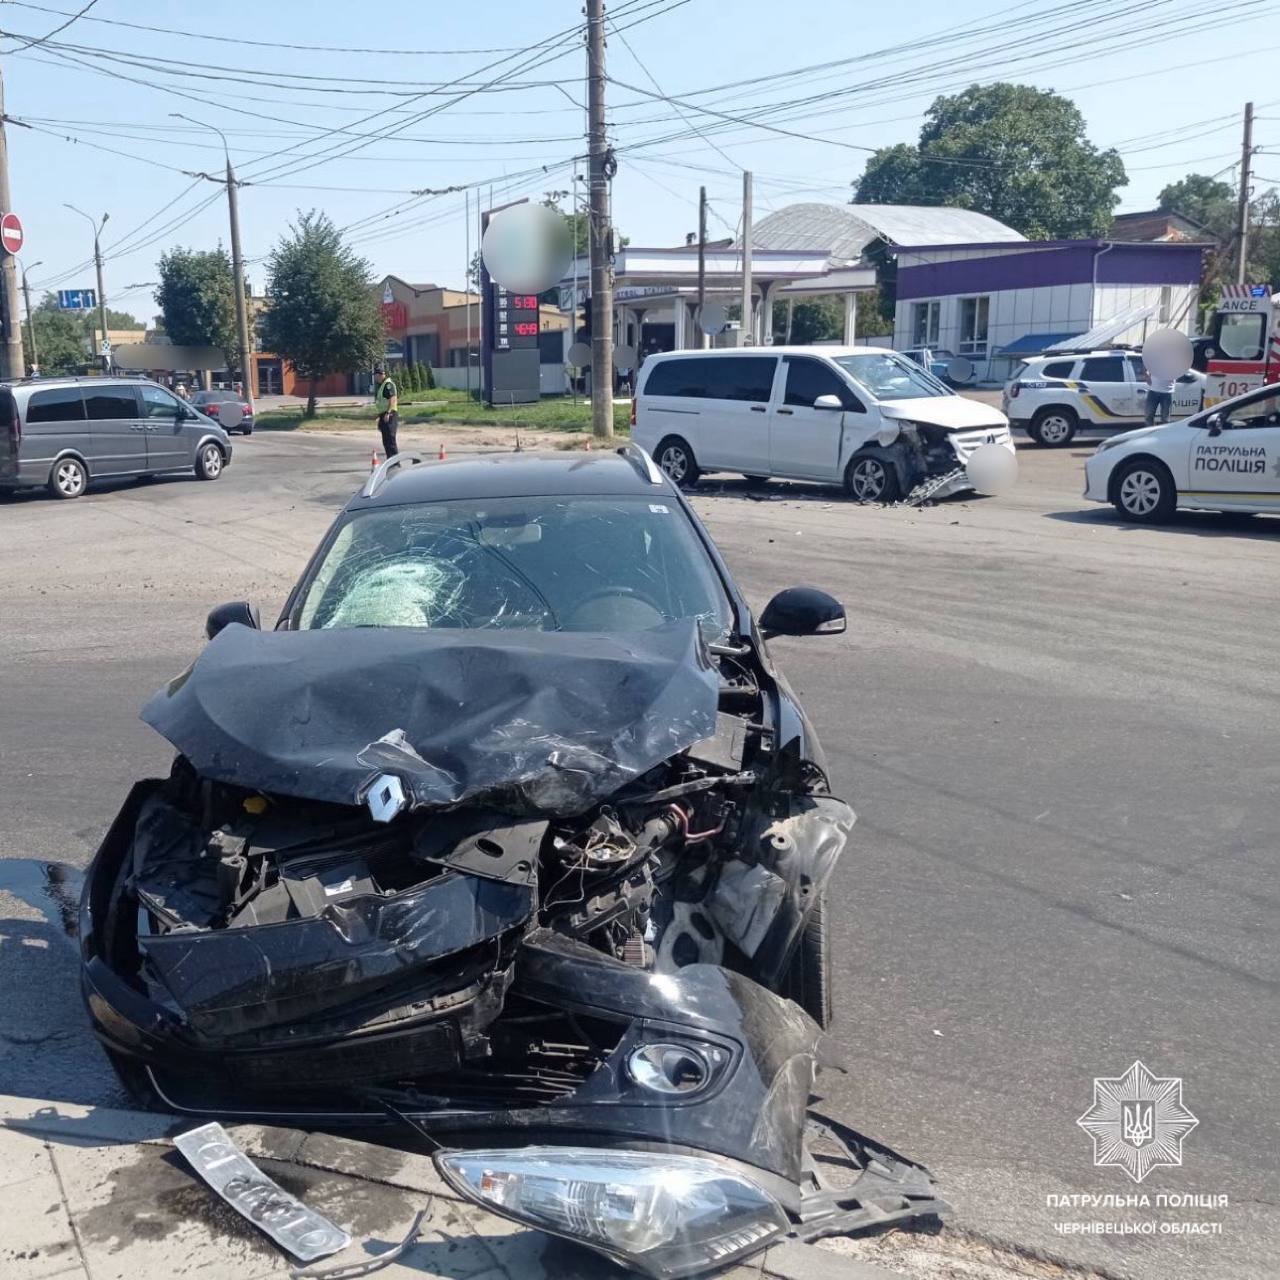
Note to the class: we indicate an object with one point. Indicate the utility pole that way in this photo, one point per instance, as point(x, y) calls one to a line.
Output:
point(600, 231)
point(703, 339)
point(97, 261)
point(237, 262)
point(11, 361)
point(748, 336)
point(31, 319)
point(1242, 226)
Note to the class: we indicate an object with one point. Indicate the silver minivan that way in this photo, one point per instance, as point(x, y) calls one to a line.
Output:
point(64, 433)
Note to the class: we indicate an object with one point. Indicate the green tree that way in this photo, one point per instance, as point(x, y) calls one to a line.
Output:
point(1204, 199)
point(429, 378)
point(197, 298)
point(322, 314)
point(61, 338)
point(1015, 153)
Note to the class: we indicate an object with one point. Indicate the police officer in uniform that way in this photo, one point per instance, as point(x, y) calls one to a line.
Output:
point(386, 402)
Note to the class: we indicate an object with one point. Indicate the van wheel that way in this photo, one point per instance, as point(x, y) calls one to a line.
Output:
point(69, 478)
point(1143, 490)
point(1054, 426)
point(869, 479)
point(209, 463)
point(676, 458)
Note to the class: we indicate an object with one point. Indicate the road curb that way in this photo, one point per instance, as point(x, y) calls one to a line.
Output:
point(77, 1134)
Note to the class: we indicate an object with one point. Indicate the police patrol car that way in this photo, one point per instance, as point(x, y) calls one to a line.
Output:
point(1052, 396)
point(1226, 458)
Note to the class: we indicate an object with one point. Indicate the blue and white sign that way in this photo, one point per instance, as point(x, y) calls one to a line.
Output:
point(77, 299)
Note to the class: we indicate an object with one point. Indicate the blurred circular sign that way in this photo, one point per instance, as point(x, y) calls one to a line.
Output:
point(960, 369)
point(527, 248)
point(11, 233)
point(992, 469)
point(712, 318)
point(624, 358)
point(230, 414)
point(1167, 354)
point(580, 355)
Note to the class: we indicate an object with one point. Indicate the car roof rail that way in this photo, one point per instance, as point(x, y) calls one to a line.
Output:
point(642, 462)
point(378, 476)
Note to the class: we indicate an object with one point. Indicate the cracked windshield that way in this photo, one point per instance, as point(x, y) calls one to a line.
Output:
point(531, 564)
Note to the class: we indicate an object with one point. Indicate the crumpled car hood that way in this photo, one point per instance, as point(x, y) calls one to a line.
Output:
point(534, 722)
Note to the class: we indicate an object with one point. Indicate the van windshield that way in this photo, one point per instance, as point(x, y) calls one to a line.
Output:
point(887, 376)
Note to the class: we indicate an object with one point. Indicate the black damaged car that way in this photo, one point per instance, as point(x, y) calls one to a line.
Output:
point(511, 833)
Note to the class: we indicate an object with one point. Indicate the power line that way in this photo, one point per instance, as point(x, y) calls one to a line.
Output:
point(70, 18)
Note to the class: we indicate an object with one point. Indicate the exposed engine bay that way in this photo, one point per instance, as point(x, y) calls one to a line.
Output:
point(614, 938)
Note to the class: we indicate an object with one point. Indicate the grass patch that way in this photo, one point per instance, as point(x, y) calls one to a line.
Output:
point(453, 408)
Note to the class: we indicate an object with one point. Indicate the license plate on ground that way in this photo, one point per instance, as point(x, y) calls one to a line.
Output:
point(305, 1233)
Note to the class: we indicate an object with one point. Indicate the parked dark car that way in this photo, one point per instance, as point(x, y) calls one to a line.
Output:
point(509, 832)
point(211, 402)
point(66, 433)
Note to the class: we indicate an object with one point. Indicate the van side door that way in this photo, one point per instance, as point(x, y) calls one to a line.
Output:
point(170, 444)
point(805, 442)
point(733, 423)
point(119, 441)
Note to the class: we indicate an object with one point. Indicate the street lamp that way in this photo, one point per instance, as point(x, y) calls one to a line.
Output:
point(237, 263)
point(31, 320)
point(97, 261)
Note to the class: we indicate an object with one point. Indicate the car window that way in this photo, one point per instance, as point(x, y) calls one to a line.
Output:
point(887, 376)
point(714, 378)
point(158, 403)
point(1136, 367)
point(65, 404)
point(111, 402)
point(1059, 369)
point(1263, 411)
point(535, 563)
point(1103, 369)
point(809, 379)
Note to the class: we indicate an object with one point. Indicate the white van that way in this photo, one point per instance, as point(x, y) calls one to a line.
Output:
point(861, 416)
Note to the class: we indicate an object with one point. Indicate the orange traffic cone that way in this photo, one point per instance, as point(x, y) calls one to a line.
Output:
point(373, 460)
point(440, 457)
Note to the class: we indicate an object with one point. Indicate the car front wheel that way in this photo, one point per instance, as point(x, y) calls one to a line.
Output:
point(676, 458)
point(1144, 491)
point(1054, 427)
point(209, 462)
point(871, 480)
point(807, 980)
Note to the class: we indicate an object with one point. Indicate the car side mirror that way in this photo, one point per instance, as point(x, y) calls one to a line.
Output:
point(235, 611)
point(828, 402)
point(802, 611)
point(1214, 424)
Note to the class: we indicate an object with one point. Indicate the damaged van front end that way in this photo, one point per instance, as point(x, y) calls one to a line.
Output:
point(409, 887)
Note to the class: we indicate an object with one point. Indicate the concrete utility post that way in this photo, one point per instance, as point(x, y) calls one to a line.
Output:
point(703, 339)
point(31, 318)
point(237, 262)
point(1246, 161)
point(747, 337)
point(600, 231)
point(97, 262)
point(11, 361)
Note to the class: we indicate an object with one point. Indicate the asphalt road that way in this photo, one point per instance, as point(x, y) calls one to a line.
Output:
point(1059, 734)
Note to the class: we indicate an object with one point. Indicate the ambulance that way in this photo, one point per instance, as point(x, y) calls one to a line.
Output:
point(1244, 348)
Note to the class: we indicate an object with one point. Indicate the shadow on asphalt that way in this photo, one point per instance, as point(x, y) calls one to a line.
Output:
point(1200, 524)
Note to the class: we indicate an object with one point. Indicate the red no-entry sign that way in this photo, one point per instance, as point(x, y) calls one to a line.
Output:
point(11, 235)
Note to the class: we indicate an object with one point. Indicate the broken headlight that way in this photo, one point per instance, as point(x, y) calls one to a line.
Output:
point(665, 1215)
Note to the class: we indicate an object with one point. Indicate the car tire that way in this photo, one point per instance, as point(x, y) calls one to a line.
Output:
point(871, 479)
point(1054, 426)
point(807, 980)
point(69, 478)
point(675, 457)
point(209, 462)
point(246, 431)
point(1143, 490)
point(755, 482)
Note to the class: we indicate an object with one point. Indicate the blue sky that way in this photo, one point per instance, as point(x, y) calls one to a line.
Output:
point(1162, 80)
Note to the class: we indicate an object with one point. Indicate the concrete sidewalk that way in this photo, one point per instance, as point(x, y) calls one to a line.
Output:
point(90, 1193)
